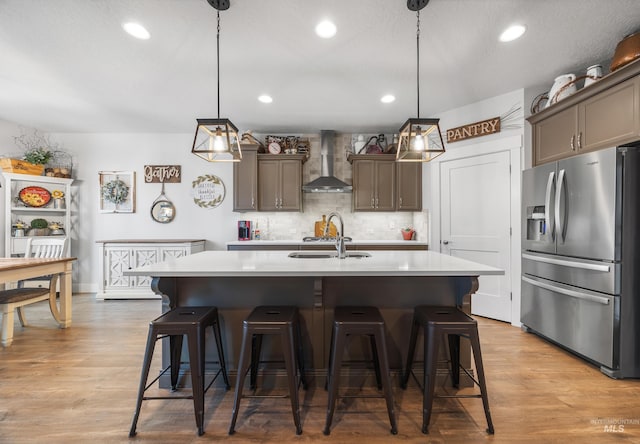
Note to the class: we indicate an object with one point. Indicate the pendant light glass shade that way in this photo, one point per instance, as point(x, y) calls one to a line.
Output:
point(419, 140)
point(217, 140)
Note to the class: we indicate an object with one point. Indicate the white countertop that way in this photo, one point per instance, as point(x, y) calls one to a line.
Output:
point(277, 263)
point(352, 242)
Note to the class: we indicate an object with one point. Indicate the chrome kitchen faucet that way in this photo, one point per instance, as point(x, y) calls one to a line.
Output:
point(340, 246)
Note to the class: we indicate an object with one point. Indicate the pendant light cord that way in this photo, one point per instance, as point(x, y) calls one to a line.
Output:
point(218, 62)
point(418, 59)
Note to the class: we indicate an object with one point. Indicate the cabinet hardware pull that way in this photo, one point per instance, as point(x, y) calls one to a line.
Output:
point(567, 292)
point(252, 202)
point(566, 263)
point(400, 202)
point(573, 137)
point(580, 140)
point(373, 202)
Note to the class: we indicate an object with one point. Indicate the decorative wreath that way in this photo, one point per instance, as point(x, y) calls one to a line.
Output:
point(115, 191)
point(211, 201)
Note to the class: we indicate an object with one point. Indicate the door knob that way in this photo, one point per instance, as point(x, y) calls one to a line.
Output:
point(445, 242)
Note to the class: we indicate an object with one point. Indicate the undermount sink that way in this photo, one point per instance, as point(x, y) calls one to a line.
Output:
point(327, 254)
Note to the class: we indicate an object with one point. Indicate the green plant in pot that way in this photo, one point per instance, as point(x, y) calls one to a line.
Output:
point(407, 233)
point(38, 156)
point(38, 148)
point(39, 227)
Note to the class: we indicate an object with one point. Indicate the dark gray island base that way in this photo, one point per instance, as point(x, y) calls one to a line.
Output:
point(238, 281)
point(315, 297)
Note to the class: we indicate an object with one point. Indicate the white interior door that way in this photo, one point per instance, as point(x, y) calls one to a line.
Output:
point(475, 224)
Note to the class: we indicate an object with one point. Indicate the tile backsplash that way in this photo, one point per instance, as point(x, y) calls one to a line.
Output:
point(359, 225)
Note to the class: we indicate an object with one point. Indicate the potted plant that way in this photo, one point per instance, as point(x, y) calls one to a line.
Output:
point(38, 156)
point(39, 227)
point(38, 148)
point(19, 228)
point(407, 233)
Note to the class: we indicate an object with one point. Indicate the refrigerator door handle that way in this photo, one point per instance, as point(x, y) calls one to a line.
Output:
point(559, 219)
point(547, 207)
point(566, 292)
point(548, 260)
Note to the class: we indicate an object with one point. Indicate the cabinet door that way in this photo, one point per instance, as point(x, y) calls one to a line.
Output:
point(245, 181)
point(409, 186)
point(611, 117)
point(363, 185)
point(555, 138)
point(173, 252)
point(290, 185)
point(385, 185)
point(141, 256)
point(116, 261)
point(268, 185)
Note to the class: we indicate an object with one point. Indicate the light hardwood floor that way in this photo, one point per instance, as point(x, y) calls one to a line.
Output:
point(79, 386)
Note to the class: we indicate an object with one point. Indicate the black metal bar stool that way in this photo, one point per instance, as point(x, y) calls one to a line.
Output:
point(271, 320)
point(437, 323)
point(349, 321)
point(174, 324)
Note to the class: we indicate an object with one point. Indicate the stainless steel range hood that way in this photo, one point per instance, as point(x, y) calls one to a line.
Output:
point(327, 182)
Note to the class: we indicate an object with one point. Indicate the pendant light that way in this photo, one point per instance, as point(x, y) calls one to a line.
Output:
point(217, 140)
point(419, 139)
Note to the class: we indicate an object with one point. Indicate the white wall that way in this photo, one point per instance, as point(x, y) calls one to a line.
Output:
point(511, 138)
point(8, 147)
point(486, 109)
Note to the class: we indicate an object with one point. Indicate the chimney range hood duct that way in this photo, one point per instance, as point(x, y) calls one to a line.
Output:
point(327, 182)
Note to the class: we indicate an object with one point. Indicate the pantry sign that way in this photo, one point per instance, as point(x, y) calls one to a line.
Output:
point(477, 129)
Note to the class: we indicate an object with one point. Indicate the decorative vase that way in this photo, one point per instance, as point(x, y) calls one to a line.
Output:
point(407, 235)
point(38, 232)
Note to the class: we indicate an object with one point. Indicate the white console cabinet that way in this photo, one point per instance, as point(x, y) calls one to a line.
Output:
point(116, 256)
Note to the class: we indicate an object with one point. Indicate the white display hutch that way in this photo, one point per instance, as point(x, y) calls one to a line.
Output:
point(116, 256)
point(15, 210)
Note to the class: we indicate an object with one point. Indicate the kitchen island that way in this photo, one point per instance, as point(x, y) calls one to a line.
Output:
point(353, 244)
point(237, 281)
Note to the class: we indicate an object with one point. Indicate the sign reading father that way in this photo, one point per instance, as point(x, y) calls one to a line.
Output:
point(162, 173)
point(486, 127)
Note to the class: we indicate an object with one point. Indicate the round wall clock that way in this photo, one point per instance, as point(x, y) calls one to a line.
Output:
point(208, 191)
point(274, 148)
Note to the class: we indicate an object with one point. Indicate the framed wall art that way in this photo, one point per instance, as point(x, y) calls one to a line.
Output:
point(117, 192)
point(208, 191)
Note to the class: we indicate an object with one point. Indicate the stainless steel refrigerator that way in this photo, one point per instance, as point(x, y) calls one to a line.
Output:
point(581, 257)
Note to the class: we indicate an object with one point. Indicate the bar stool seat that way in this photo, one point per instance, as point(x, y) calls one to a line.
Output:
point(359, 320)
point(174, 324)
point(278, 320)
point(450, 322)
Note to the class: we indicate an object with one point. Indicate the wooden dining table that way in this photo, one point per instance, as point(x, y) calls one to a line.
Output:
point(16, 269)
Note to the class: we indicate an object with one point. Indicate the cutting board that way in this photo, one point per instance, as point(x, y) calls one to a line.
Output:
point(319, 227)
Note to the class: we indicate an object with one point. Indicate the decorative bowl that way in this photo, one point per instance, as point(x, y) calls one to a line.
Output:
point(627, 51)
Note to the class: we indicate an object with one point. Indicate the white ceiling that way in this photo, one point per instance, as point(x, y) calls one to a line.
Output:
point(67, 66)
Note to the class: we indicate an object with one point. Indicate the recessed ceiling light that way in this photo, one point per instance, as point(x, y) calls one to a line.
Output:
point(265, 98)
point(512, 32)
point(388, 98)
point(136, 30)
point(326, 29)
